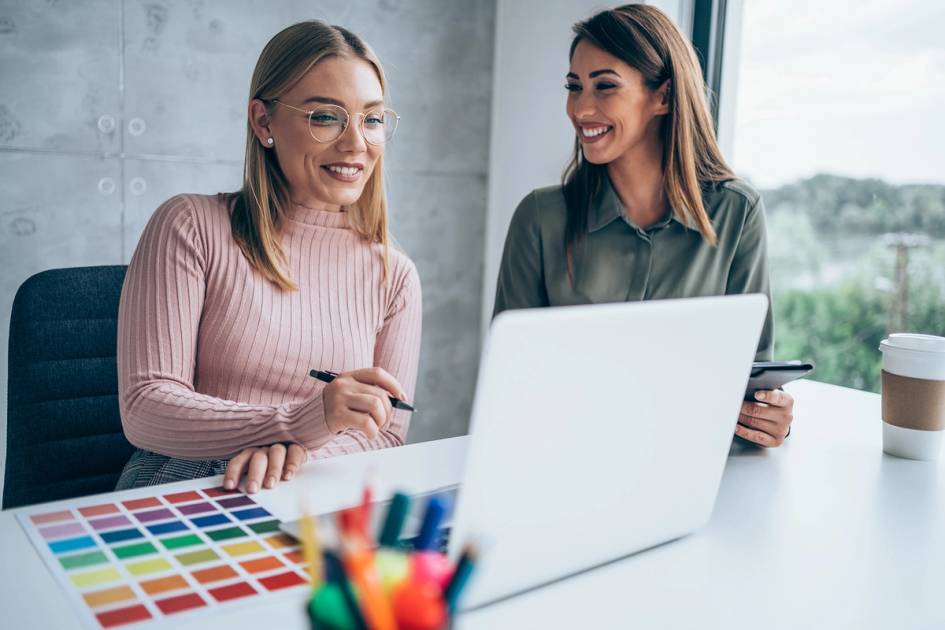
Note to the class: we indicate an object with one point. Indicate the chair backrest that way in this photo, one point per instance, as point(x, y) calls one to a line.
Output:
point(64, 435)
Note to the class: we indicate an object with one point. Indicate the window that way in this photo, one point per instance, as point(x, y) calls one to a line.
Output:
point(836, 118)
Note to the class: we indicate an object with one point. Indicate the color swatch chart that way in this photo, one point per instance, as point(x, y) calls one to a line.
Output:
point(165, 555)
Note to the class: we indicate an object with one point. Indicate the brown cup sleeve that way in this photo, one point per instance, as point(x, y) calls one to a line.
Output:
point(913, 403)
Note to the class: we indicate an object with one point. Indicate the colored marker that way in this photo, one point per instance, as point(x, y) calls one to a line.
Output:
point(335, 573)
point(328, 609)
point(366, 497)
point(428, 538)
point(427, 563)
point(464, 569)
point(326, 377)
point(394, 521)
point(360, 568)
point(419, 606)
point(312, 549)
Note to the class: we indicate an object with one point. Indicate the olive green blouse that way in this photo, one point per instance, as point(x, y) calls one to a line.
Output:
point(619, 261)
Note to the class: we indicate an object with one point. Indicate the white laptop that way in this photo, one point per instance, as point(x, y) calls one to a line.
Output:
point(596, 432)
point(599, 431)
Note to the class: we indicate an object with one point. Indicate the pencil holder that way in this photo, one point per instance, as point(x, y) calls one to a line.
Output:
point(389, 584)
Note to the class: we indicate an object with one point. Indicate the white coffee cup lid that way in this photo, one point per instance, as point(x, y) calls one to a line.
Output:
point(914, 341)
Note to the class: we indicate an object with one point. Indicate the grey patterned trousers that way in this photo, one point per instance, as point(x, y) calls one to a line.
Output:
point(145, 468)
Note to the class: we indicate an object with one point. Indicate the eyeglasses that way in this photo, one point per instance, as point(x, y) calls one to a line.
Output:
point(326, 123)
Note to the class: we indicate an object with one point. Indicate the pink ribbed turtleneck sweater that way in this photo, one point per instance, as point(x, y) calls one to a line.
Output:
point(214, 358)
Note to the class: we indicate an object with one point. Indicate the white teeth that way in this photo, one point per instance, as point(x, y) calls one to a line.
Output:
point(594, 131)
point(347, 171)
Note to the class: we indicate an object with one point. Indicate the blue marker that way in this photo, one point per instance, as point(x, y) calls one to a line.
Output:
point(428, 538)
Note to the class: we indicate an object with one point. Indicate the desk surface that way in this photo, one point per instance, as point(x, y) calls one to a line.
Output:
point(825, 531)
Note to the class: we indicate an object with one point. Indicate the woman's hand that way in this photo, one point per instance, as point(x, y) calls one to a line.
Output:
point(360, 400)
point(766, 423)
point(264, 466)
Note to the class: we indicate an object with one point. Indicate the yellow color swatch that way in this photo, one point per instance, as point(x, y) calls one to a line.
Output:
point(243, 548)
point(148, 566)
point(108, 596)
point(91, 578)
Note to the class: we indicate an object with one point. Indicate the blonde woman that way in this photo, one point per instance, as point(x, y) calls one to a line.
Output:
point(648, 208)
point(231, 299)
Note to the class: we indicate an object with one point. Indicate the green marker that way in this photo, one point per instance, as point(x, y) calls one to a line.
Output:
point(394, 521)
point(328, 609)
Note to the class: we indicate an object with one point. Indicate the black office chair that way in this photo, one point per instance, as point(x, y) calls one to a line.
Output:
point(64, 436)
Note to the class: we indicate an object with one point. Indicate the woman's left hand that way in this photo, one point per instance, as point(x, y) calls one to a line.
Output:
point(768, 422)
point(264, 466)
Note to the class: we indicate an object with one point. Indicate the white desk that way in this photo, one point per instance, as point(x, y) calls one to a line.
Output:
point(825, 531)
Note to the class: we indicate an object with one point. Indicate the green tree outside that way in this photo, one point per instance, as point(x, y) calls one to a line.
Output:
point(833, 269)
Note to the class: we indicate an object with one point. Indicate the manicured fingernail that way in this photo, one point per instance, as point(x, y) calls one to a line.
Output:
point(229, 484)
point(289, 474)
point(760, 395)
point(270, 481)
point(252, 487)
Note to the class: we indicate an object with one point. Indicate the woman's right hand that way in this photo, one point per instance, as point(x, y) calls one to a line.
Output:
point(360, 400)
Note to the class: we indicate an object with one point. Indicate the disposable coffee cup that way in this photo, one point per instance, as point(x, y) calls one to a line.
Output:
point(913, 395)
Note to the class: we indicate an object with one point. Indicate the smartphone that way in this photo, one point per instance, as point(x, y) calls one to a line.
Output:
point(767, 375)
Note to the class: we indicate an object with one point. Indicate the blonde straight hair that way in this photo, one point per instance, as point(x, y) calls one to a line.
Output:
point(647, 40)
point(263, 201)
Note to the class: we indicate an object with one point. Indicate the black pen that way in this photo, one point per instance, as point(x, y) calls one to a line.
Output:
point(326, 377)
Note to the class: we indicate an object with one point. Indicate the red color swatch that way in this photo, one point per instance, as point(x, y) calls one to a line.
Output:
point(172, 605)
point(232, 591)
point(180, 497)
point(283, 580)
point(98, 510)
point(219, 491)
point(122, 616)
point(137, 504)
point(52, 517)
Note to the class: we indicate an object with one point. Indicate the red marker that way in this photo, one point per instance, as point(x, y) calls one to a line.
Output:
point(367, 496)
point(419, 606)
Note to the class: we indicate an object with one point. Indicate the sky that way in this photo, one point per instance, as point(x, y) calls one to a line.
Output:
point(848, 87)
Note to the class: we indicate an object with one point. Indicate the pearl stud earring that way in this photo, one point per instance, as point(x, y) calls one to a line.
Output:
point(270, 141)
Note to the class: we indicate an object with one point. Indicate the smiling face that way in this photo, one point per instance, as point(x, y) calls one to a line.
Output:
point(610, 106)
point(323, 175)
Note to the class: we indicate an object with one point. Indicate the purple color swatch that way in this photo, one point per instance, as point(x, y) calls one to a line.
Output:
point(111, 521)
point(196, 508)
point(233, 502)
point(58, 531)
point(153, 515)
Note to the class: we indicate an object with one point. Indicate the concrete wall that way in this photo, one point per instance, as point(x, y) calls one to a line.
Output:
point(108, 107)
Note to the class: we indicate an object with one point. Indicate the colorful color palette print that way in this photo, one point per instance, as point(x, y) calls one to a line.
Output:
point(162, 556)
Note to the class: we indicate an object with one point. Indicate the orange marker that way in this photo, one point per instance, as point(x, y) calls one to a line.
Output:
point(359, 565)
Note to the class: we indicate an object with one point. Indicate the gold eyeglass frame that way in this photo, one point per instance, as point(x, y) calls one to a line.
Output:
point(344, 128)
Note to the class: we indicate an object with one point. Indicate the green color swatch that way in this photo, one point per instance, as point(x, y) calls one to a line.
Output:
point(83, 560)
point(177, 542)
point(265, 527)
point(133, 551)
point(226, 534)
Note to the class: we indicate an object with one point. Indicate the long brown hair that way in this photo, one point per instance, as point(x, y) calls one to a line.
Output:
point(262, 202)
point(646, 39)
